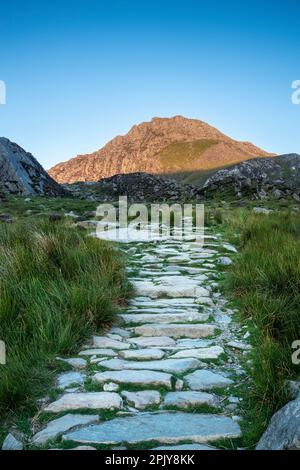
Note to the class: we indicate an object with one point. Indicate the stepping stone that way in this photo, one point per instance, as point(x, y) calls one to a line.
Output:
point(193, 343)
point(75, 362)
point(159, 341)
point(70, 378)
point(134, 377)
point(206, 380)
point(57, 427)
point(142, 318)
point(225, 261)
point(104, 342)
point(173, 366)
point(84, 448)
point(185, 287)
point(176, 331)
point(165, 428)
point(88, 400)
point(98, 352)
point(186, 447)
point(142, 354)
point(229, 247)
point(187, 399)
point(201, 353)
point(121, 332)
point(141, 400)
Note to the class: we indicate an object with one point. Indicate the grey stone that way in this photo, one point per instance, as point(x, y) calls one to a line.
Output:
point(134, 377)
point(239, 345)
point(57, 427)
point(75, 362)
point(110, 387)
point(84, 448)
point(159, 341)
point(142, 354)
point(104, 342)
point(206, 380)
point(195, 330)
point(176, 366)
point(212, 352)
point(98, 352)
point(69, 378)
point(142, 399)
point(166, 428)
point(189, 398)
point(11, 443)
point(140, 318)
point(121, 332)
point(88, 400)
point(224, 260)
point(283, 432)
point(186, 447)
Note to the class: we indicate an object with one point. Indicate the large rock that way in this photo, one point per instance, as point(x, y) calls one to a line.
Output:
point(283, 432)
point(21, 173)
point(166, 428)
point(187, 399)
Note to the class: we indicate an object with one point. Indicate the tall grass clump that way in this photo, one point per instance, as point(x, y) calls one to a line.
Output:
point(57, 286)
point(265, 279)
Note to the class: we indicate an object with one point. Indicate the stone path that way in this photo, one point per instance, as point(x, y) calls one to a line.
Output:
point(166, 376)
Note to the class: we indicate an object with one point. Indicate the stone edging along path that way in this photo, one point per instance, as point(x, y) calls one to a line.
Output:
point(167, 375)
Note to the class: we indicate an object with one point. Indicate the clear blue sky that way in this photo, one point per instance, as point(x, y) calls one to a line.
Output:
point(80, 72)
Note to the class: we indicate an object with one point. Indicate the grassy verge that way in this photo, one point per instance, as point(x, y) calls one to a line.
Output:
point(57, 286)
point(265, 282)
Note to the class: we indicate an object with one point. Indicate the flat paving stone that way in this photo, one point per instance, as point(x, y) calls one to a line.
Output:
point(185, 287)
point(135, 377)
point(186, 399)
point(98, 352)
point(159, 341)
point(176, 331)
point(165, 427)
point(87, 400)
point(141, 318)
point(142, 354)
point(142, 399)
point(75, 362)
point(70, 378)
point(104, 342)
point(186, 447)
point(173, 366)
point(212, 352)
point(206, 380)
point(57, 427)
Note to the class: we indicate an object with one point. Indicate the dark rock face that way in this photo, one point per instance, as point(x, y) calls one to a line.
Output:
point(137, 187)
point(260, 178)
point(20, 173)
point(283, 432)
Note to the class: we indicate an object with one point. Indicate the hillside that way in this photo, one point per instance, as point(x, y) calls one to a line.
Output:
point(161, 146)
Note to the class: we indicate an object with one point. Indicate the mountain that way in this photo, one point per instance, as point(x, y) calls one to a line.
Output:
point(174, 145)
point(259, 178)
point(21, 173)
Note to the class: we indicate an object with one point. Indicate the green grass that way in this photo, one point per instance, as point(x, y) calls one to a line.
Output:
point(265, 283)
point(57, 287)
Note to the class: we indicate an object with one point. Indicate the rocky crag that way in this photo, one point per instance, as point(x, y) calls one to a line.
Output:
point(21, 173)
point(260, 178)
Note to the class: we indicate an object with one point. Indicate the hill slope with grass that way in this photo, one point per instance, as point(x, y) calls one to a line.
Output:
point(161, 146)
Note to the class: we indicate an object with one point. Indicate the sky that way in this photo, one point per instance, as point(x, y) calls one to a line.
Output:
point(78, 73)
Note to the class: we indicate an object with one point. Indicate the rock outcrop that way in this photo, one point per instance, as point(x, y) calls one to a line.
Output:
point(260, 178)
point(21, 173)
point(161, 146)
point(137, 187)
point(283, 432)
